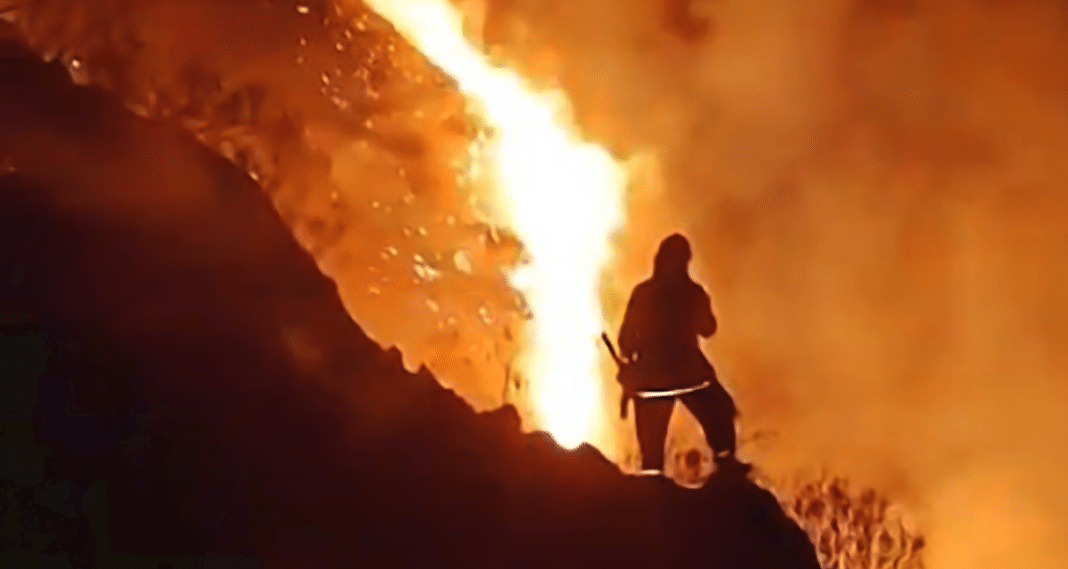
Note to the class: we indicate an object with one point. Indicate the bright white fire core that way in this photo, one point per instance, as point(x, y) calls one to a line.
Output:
point(561, 196)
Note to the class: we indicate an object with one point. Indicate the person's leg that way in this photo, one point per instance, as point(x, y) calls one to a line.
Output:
point(714, 410)
point(651, 417)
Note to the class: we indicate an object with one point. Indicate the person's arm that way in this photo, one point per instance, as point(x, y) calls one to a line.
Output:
point(706, 320)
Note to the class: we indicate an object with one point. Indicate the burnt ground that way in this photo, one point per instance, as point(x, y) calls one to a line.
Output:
point(181, 383)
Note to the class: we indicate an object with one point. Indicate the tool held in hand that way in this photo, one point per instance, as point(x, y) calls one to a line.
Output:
point(624, 377)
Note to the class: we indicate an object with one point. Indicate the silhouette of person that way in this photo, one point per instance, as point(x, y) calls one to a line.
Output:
point(659, 337)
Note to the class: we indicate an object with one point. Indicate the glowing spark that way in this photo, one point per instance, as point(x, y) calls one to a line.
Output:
point(561, 196)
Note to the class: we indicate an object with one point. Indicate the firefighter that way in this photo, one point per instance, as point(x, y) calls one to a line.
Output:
point(659, 339)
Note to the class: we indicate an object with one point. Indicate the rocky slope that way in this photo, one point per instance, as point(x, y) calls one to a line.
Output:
point(185, 379)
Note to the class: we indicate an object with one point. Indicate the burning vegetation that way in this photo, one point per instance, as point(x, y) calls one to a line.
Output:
point(356, 139)
point(411, 189)
point(562, 196)
point(853, 530)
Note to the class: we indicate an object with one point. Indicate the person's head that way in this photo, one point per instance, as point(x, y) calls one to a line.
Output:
point(673, 257)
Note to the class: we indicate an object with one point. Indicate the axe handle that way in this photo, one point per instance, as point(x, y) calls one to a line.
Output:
point(611, 349)
point(619, 362)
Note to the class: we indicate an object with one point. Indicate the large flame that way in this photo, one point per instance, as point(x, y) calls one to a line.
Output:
point(561, 196)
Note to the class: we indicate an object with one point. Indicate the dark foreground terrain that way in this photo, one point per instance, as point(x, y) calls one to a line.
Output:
point(181, 383)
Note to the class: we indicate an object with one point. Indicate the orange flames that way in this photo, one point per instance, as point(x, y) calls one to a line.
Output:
point(561, 196)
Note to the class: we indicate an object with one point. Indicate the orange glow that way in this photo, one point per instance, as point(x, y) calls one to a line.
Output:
point(561, 196)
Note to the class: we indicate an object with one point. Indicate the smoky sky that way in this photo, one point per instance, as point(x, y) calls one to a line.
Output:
point(876, 191)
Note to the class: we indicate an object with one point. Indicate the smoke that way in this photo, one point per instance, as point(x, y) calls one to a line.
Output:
point(876, 192)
